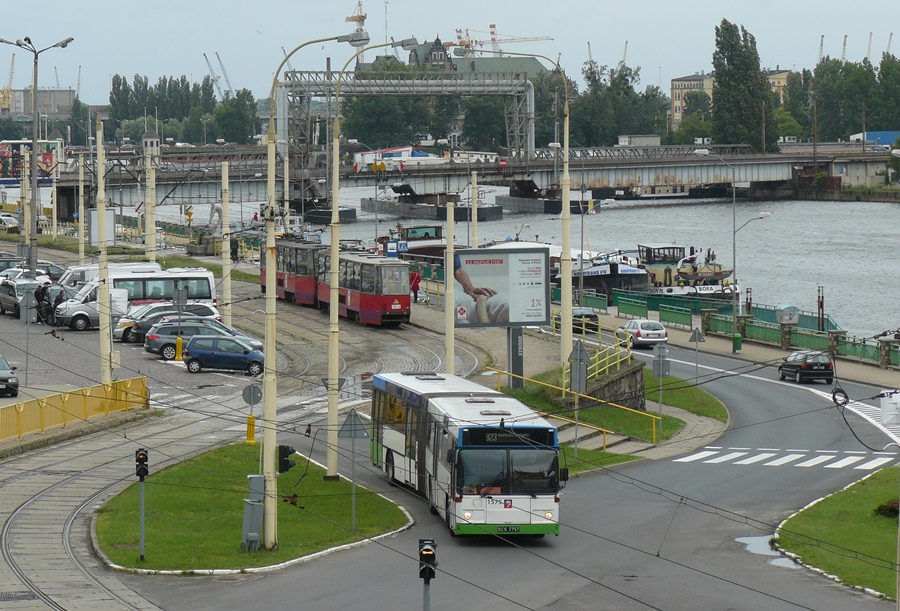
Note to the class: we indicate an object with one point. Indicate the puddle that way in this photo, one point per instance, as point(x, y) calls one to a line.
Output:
point(760, 545)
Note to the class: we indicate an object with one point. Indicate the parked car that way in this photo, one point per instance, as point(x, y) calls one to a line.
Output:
point(9, 216)
point(806, 366)
point(9, 382)
point(8, 222)
point(12, 292)
point(160, 339)
point(154, 316)
point(254, 343)
point(14, 273)
point(583, 319)
point(220, 352)
point(123, 328)
point(642, 332)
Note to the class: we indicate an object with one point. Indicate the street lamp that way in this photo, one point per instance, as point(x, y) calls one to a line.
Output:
point(734, 230)
point(26, 44)
point(270, 414)
point(333, 330)
point(565, 217)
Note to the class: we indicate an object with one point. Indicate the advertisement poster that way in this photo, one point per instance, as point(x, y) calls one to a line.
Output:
point(501, 287)
point(12, 159)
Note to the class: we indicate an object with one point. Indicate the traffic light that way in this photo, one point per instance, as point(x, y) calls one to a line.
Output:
point(427, 559)
point(141, 469)
point(284, 455)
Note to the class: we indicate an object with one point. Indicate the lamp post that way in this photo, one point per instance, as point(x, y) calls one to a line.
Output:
point(25, 43)
point(565, 217)
point(333, 330)
point(734, 230)
point(270, 414)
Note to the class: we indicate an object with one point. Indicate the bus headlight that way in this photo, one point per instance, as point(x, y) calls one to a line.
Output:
point(548, 515)
point(468, 516)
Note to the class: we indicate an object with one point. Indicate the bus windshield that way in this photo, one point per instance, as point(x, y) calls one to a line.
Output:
point(507, 471)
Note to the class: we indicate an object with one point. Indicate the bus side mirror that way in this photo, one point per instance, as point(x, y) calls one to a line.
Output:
point(564, 474)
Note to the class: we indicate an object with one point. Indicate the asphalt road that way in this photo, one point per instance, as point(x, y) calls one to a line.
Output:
point(656, 534)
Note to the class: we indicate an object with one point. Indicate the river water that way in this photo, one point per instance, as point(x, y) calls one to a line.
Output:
point(850, 249)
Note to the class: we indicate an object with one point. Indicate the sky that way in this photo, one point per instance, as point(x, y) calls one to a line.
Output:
point(665, 38)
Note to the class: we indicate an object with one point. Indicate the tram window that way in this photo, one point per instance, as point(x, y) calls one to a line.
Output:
point(324, 268)
point(368, 278)
point(279, 259)
point(394, 280)
point(342, 274)
point(353, 275)
point(302, 263)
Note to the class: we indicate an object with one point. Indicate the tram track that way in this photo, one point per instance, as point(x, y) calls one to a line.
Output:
point(62, 502)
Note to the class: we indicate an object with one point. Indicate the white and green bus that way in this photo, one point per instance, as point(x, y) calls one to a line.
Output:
point(487, 463)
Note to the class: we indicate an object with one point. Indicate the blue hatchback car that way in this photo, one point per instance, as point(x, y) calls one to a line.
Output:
point(222, 352)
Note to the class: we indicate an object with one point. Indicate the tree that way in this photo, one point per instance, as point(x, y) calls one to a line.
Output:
point(77, 124)
point(692, 126)
point(743, 102)
point(786, 124)
point(484, 126)
point(697, 103)
point(236, 118)
point(9, 129)
point(886, 114)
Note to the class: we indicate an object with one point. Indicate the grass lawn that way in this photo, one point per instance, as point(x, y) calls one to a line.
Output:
point(675, 392)
point(588, 460)
point(194, 514)
point(844, 536)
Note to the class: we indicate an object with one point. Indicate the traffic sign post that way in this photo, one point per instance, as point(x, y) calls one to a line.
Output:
point(353, 428)
point(252, 395)
point(578, 361)
point(660, 370)
point(697, 338)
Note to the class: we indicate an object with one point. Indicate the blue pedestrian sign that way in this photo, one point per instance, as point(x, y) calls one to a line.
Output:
point(75, 215)
point(402, 246)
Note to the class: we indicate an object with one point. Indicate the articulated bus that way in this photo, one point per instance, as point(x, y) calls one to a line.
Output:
point(487, 464)
point(372, 290)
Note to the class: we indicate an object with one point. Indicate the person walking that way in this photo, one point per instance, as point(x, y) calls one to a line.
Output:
point(414, 280)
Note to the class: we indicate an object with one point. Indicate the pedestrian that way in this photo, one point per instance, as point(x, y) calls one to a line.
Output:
point(60, 297)
point(234, 250)
point(255, 217)
point(414, 280)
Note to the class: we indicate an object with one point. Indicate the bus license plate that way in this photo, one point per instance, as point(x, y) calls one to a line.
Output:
point(507, 529)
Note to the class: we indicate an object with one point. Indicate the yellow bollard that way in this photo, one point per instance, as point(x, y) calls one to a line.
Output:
point(251, 430)
point(179, 347)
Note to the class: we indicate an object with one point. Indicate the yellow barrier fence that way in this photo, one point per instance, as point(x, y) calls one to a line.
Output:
point(80, 405)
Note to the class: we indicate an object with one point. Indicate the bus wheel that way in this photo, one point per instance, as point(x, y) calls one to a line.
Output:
point(389, 467)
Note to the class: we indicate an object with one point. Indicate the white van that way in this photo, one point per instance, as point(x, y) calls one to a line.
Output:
point(80, 274)
point(82, 311)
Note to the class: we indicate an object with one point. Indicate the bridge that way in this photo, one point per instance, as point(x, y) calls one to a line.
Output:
point(192, 176)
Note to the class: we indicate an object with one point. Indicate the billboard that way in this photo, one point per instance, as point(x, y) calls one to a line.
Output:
point(12, 159)
point(501, 288)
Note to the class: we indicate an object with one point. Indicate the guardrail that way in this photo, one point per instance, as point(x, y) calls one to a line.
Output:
point(81, 405)
point(592, 402)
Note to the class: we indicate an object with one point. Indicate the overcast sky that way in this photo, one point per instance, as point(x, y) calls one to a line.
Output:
point(665, 38)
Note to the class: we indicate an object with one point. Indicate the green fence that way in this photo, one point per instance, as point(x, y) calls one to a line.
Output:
point(811, 340)
point(808, 320)
point(675, 316)
point(859, 348)
point(763, 331)
point(595, 301)
point(632, 307)
point(694, 304)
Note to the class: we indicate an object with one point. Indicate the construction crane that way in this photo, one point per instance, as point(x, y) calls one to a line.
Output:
point(6, 92)
point(844, 50)
point(214, 77)
point(230, 91)
point(56, 74)
point(288, 62)
point(359, 18)
point(869, 47)
point(468, 45)
point(890, 38)
point(625, 53)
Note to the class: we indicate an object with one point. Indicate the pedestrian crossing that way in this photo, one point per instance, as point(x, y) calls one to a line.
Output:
point(772, 457)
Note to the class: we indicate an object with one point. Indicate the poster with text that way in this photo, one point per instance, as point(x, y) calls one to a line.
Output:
point(501, 287)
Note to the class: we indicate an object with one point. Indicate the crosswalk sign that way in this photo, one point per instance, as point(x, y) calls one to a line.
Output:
point(402, 246)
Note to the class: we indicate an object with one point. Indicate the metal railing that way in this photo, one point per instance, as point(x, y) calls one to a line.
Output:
point(80, 405)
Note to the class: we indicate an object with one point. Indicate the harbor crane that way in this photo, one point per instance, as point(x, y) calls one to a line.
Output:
point(359, 18)
point(468, 45)
point(6, 92)
point(214, 77)
point(230, 91)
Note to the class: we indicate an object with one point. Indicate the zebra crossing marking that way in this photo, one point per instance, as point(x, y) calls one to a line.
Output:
point(772, 457)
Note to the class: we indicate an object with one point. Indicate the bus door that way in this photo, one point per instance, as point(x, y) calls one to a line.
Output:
point(410, 462)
